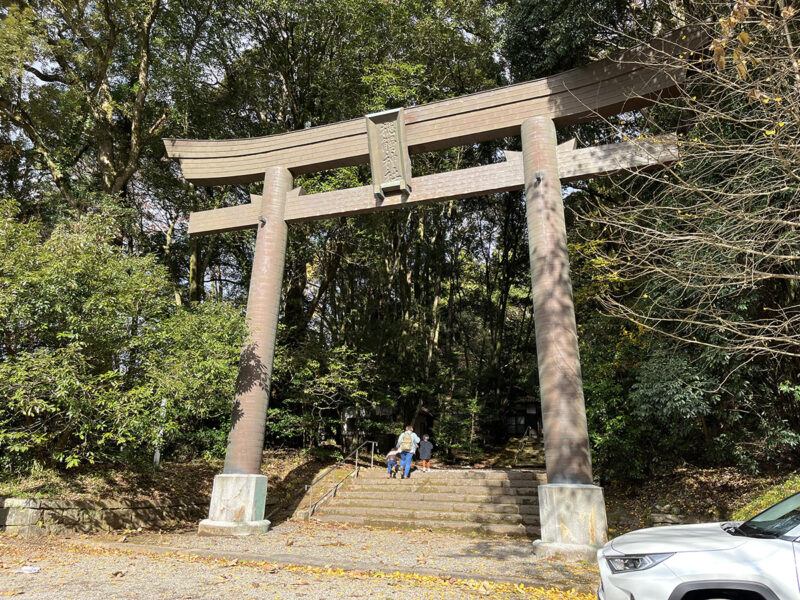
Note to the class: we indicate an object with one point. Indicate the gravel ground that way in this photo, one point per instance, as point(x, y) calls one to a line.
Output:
point(75, 570)
point(375, 549)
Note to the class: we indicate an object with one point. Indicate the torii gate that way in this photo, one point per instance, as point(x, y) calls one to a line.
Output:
point(572, 509)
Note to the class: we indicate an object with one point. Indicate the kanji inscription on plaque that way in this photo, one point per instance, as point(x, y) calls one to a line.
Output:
point(388, 153)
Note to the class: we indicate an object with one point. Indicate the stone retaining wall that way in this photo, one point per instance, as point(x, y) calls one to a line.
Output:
point(32, 517)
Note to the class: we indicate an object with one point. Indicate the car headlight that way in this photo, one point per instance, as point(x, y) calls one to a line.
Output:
point(625, 564)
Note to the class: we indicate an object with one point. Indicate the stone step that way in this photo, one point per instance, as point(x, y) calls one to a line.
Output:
point(530, 453)
point(492, 529)
point(392, 514)
point(465, 475)
point(455, 479)
point(482, 501)
point(411, 487)
point(347, 493)
point(452, 507)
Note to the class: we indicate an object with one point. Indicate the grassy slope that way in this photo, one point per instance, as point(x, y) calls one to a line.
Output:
point(717, 494)
point(288, 472)
point(768, 497)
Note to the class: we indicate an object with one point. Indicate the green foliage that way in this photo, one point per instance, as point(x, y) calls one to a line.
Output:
point(92, 343)
point(671, 390)
point(609, 355)
point(543, 38)
point(17, 33)
point(189, 361)
point(325, 393)
point(461, 431)
point(58, 410)
point(69, 307)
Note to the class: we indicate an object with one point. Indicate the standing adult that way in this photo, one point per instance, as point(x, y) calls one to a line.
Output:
point(407, 442)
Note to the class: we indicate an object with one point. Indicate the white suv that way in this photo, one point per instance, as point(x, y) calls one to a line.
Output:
point(758, 559)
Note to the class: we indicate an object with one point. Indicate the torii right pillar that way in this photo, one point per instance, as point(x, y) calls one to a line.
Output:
point(571, 509)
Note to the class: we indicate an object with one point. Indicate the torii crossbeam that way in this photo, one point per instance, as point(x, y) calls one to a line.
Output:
point(572, 510)
point(454, 185)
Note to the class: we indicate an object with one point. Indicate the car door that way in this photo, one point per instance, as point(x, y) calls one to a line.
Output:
point(796, 547)
point(794, 535)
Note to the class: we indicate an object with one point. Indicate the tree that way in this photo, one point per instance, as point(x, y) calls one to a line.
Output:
point(705, 253)
point(91, 344)
point(544, 38)
point(73, 59)
point(710, 246)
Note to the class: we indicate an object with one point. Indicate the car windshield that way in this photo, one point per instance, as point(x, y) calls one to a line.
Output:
point(776, 521)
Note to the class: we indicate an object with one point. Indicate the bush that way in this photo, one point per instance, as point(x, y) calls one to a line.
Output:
point(97, 363)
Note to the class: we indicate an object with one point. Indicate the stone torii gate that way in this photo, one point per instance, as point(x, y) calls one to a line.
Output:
point(572, 509)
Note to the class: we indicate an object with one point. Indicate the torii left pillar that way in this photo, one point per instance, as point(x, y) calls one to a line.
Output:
point(240, 492)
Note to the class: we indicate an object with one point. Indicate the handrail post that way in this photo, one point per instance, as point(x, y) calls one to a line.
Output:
point(372, 455)
point(332, 491)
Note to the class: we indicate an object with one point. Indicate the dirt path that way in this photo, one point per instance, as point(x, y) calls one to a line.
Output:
point(185, 566)
point(318, 544)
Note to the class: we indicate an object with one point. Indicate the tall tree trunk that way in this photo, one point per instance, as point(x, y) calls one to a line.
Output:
point(195, 276)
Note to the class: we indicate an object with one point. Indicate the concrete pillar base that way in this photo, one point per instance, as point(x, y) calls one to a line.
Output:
point(573, 521)
point(237, 506)
point(565, 552)
point(208, 528)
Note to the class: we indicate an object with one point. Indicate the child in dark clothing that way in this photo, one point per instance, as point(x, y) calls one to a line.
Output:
point(425, 448)
point(392, 462)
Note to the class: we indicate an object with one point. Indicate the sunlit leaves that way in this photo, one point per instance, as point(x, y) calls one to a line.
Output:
point(17, 40)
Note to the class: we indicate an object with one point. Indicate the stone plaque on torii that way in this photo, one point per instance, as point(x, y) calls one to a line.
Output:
point(572, 509)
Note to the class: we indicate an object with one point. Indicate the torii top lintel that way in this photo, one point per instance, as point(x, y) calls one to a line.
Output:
point(601, 88)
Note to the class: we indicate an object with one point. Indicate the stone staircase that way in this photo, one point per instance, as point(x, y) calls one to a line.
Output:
point(488, 502)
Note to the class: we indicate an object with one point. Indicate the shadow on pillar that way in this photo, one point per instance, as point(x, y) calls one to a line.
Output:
point(239, 493)
point(253, 373)
point(565, 429)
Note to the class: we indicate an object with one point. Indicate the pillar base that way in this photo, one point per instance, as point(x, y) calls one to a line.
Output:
point(209, 528)
point(573, 521)
point(237, 506)
point(566, 552)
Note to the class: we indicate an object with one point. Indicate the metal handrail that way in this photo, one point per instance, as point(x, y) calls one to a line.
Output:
point(312, 506)
point(523, 441)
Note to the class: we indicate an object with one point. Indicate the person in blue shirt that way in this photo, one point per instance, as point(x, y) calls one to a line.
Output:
point(407, 442)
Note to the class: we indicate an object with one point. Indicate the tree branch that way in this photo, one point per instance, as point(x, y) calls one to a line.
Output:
point(139, 102)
